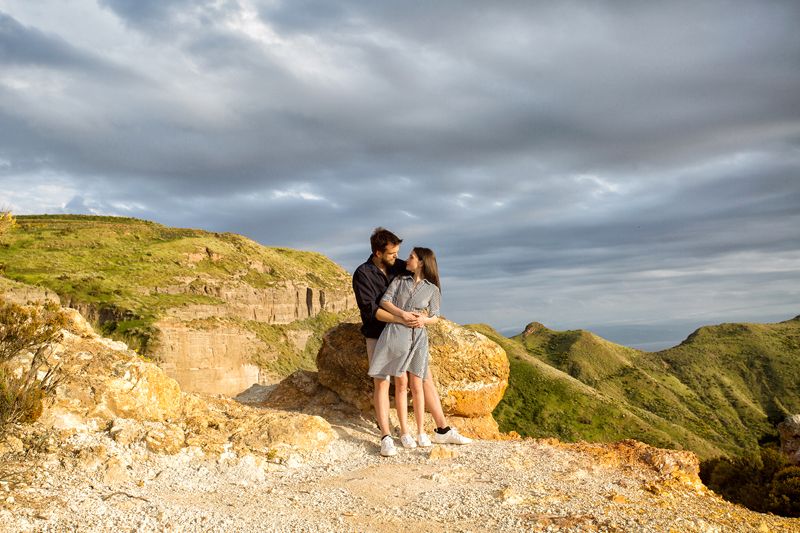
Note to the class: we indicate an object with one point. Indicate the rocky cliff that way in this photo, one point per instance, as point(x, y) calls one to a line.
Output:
point(219, 312)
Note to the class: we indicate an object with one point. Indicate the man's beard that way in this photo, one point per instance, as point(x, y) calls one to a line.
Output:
point(386, 263)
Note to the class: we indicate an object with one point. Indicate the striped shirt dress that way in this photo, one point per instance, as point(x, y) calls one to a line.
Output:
point(400, 348)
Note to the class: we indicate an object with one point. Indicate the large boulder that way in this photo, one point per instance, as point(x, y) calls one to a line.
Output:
point(342, 364)
point(103, 380)
point(789, 431)
point(470, 372)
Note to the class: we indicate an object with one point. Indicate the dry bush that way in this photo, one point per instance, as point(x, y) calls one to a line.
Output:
point(27, 331)
point(7, 221)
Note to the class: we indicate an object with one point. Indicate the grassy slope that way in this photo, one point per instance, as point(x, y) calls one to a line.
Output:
point(634, 378)
point(748, 373)
point(116, 263)
point(544, 401)
point(718, 392)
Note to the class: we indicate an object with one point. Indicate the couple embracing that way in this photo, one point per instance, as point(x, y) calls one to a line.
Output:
point(397, 299)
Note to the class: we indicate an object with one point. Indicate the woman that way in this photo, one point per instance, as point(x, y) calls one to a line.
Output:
point(401, 351)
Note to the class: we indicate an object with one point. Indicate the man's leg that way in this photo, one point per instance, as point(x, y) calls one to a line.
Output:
point(380, 395)
point(432, 401)
point(401, 401)
point(381, 399)
point(418, 395)
point(444, 434)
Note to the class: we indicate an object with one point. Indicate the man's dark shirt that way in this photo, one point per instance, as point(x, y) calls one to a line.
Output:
point(369, 284)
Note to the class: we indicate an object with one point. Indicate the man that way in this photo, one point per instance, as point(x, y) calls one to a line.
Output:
point(370, 281)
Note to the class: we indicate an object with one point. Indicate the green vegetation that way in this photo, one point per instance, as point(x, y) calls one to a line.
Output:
point(127, 273)
point(543, 401)
point(718, 393)
point(749, 375)
point(763, 481)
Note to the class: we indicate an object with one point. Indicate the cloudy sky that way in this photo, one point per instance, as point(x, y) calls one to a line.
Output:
point(628, 167)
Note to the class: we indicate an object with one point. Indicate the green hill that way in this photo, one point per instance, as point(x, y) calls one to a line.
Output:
point(543, 401)
point(126, 274)
point(719, 392)
point(748, 374)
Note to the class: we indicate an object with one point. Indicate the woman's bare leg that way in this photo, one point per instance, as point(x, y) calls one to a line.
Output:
point(418, 394)
point(432, 400)
point(401, 401)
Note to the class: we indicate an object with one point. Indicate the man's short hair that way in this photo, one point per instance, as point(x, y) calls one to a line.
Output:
point(381, 238)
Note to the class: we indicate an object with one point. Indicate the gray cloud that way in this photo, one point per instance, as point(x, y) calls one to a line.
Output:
point(579, 163)
point(21, 45)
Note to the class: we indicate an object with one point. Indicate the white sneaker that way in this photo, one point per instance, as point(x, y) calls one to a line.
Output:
point(408, 441)
point(387, 446)
point(424, 441)
point(452, 436)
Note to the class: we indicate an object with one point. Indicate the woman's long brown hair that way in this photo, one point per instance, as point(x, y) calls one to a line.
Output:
point(430, 269)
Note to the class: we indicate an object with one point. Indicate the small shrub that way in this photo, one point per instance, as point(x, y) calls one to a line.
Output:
point(785, 496)
point(15, 404)
point(7, 221)
point(761, 482)
point(30, 329)
point(25, 329)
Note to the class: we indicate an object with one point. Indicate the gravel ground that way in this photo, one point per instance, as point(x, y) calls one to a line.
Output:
point(93, 484)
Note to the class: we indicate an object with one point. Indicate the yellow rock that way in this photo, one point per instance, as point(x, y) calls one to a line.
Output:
point(470, 371)
point(141, 391)
point(164, 438)
point(440, 452)
point(109, 388)
point(509, 496)
point(617, 498)
point(116, 472)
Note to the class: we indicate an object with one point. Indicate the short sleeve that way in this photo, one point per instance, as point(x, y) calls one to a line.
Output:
point(436, 302)
point(388, 296)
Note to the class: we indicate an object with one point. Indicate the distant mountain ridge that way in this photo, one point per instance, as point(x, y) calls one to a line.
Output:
point(718, 392)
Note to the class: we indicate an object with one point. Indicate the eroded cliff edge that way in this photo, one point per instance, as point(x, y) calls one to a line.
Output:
point(217, 311)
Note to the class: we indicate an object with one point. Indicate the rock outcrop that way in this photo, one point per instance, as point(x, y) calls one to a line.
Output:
point(470, 372)
point(286, 302)
point(195, 345)
point(207, 348)
point(204, 352)
point(789, 431)
point(109, 388)
point(20, 293)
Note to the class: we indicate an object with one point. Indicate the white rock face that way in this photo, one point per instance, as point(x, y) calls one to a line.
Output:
point(217, 357)
point(216, 360)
